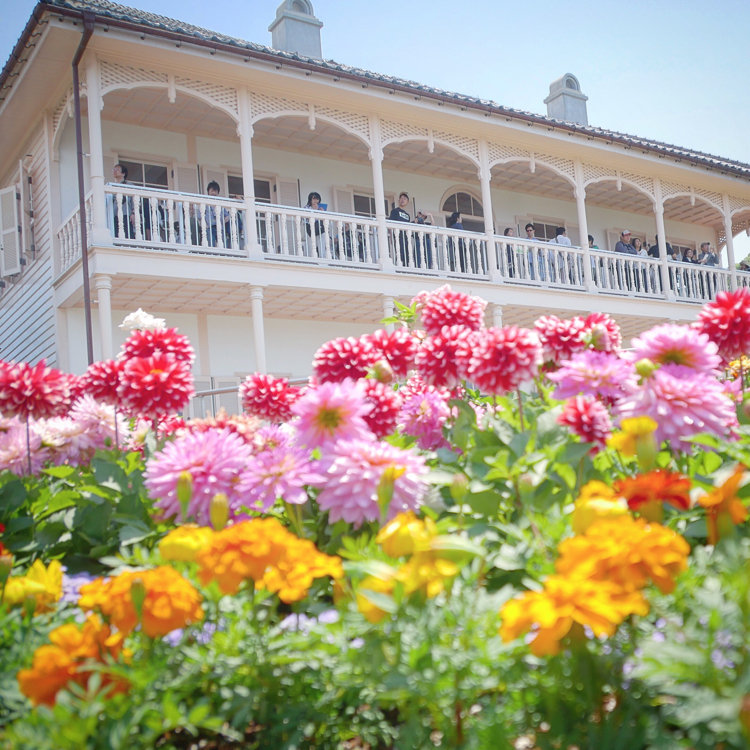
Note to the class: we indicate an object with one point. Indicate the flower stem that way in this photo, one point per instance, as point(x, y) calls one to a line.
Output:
point(28, 442)
point(520, 408)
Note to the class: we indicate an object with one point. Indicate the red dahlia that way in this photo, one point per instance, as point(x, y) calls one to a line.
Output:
point(589, 419)
point(601, 332)
point(500, 359)
point(155, 386)
point(344, 358)
point(267, 397)
point(142, 343)
point(442, 359)
point(33, 390)
point(101, 381)
point(444, 307)
point(726, 321)
point(386, 405)
point(397, 347)
point(560, 338)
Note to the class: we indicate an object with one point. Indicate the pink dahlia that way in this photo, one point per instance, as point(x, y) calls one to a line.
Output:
point(104, 426)
point(442, 359)
point(593, 373)
point(601, 332)
point(386, 404)
point(267, 397)
point(682, 402)
point(726, 321)
point(676, 345)
point(242, 424)
point(444, 307)
point(357, 469)
point(33, 390)
point(589, 419)
point(397, 347)
point(423, 416)
point(101, 381)
point(280, 472)
point(560, 339)
point(150, 343)
point(14, 450)
point(500, 359)
point(344, 358)
point(155, 386)
point(209, 462)
point(330, 412)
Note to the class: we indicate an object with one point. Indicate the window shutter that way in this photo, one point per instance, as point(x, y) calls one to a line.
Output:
point(214, 174)
point(26, 210)
point(186, 178)
point(343, 200)
point(288, 193)
point(10, 239)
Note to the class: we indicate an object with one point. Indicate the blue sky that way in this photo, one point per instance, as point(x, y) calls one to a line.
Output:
point(667, 70)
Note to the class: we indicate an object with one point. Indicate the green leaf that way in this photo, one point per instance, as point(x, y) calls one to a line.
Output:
point(12, 496)
point(378, 599)
point(486, 502)
point(59, 472)
point(567, 473)
point(456, 543)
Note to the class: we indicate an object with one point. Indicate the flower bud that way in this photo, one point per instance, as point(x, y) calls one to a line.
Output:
point(6, 565)
point(645, 367)
point(382, 371)
point(138, 596)
point(459, 486)
point(219, 511)
point(184, 492)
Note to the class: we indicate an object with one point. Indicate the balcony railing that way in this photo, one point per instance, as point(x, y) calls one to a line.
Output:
point(209, 225)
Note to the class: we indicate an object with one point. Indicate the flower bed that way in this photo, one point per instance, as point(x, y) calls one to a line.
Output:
point(453, 536)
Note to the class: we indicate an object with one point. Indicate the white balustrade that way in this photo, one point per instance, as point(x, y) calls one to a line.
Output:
point(68, 237)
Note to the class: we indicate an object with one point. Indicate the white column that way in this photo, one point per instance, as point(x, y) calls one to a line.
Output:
point(497, 315)
point(485, 177)
point(661, 234)
point(583, 226)
point(100, 235)
point(103, 286)
point(731, 260)
point(259, 334)
point(388, 310)
point(376, 160)
point(245, 132)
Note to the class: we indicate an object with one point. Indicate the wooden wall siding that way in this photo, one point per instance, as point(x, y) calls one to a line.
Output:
point(27, 316)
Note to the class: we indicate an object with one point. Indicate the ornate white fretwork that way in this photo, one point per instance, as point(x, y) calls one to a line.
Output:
point(738, 204)
point(264, 105)
point(498, 153)
point(565, 167)
point(596, 173)
point(351, 121)
point(644, 182)
point(392, 132)
point(467, 146)
point(674, 189)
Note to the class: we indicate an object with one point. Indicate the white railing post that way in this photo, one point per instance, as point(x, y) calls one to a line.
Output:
point(497, 315)
point(494, 262)
point(245, 130)
point(388, 310)
point(731, 261)
point(103, 286)
point(259, 335)
point(583, 227)
point(376, 161)
point(99, 234)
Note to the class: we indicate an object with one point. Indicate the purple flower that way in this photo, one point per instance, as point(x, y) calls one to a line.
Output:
point(71, 585)
point(593, 373)
point(213, 460)
point(358, 469)
point(422, 416)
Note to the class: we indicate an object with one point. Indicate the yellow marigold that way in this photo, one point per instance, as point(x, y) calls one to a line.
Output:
point(406, 534)
point(597, 500)
point(628, 552)
point(44, 585)
point(633, 431)
point(740, 366)
point(564, 601)
point(55, 664)
point(264, 551)
point(169, 600)
point(184, 542)
point(723, 507)
point(365, 604)
point(426, 571)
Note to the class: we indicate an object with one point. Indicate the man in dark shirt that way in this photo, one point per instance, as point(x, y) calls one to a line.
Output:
point(399, 213)
point(624, 245)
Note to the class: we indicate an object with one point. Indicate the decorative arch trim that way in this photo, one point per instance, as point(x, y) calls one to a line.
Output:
point(305, 115)
point(434, 139)
point(625, 181)
point(535, 160)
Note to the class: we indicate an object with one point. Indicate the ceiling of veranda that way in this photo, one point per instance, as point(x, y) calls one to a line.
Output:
point(151, 108)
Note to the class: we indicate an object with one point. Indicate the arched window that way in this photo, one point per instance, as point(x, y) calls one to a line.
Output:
point(472, 213)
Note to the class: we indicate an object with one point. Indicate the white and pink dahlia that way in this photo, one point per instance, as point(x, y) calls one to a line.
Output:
point(676, 345)
point(212, 460)
point(398, 348)
point(33, 390)
point(101, 381)
point(155, 386)
point(268, 397)
point(14, 456)
point(593, 373)
point(386, 403)
point(498, 360)
point(357, 469)
point(344, 358)
point(560, 339)
point(726, 321)
point(331, 411)
point(153, 342)
point(444, 307)
point(682, 402)
point(589, 419)
point(442, 360)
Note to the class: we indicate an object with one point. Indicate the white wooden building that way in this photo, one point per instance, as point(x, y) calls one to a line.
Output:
point(258, 281)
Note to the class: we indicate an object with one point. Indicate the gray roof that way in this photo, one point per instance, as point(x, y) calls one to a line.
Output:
point(122, 15)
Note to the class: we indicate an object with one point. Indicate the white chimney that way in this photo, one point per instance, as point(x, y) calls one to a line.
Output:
point(295, 29)
point(565, 100)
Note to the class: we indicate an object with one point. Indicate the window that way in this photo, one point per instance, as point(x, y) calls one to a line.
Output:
point(235, 186)
point(364, 205)
point(262, 190)
point(472, 213)
point(146, 173)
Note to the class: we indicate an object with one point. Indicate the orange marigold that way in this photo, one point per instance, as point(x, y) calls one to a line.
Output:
point(169, 601)
point(263, 551)
point(645, 493)
point(551, 613)
point(628, 552)
point(723, 507)
point(65, 659)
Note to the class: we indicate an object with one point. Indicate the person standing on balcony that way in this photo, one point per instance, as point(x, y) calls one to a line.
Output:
point(454, 222)
point(557, 260)
point(529, 229)
point(212, 214)
point(425, 219)
point(314, 204)
point(120, 177)
point(510, 251)
point(399, 213)
point(708, 256)
point(625, 246)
